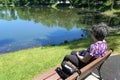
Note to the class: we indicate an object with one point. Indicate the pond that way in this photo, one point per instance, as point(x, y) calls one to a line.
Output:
point(22, 28)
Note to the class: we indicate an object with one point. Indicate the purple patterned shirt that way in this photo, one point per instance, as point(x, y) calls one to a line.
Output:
point(98, 49)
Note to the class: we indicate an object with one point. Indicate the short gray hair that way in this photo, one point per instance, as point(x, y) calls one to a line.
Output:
point(100, 31)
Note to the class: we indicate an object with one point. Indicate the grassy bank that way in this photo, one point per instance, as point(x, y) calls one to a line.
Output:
point(26, 64)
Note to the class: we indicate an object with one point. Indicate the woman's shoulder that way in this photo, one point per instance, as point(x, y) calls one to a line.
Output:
point(98, 43)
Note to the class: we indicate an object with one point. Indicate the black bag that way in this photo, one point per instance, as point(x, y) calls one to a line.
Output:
point(66, 70)
point(61, 73)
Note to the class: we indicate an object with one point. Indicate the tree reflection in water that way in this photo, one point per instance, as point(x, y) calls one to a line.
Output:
point(31, 27)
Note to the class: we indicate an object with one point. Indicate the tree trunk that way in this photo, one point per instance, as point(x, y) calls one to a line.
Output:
point(112, 4)
point(71, 3)
point(88, 4)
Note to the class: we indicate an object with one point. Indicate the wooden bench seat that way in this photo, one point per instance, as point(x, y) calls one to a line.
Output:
point(96, 64)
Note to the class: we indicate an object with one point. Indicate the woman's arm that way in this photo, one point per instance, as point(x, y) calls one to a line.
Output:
point(85, 58)
point(80, 57)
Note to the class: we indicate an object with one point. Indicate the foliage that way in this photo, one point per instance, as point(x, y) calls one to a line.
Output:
point(65, 17)
point(75, 3)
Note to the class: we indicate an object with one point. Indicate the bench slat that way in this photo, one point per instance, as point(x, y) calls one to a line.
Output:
point(53, 77)
point(46, 75)
point(72, 77)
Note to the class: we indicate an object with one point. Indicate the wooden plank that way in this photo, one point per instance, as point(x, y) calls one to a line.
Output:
point(72, 77)
point(54, 77)
point(45, 75)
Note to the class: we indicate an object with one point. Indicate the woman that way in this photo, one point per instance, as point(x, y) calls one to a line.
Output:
point(97, 49)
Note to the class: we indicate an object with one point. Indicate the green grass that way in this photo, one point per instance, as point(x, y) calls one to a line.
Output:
point(113, 41)
point(27, 64)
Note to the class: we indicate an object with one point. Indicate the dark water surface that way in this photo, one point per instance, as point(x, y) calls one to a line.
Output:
point(22, 28)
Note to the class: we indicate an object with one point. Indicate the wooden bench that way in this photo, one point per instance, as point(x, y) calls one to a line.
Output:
point(96, 64)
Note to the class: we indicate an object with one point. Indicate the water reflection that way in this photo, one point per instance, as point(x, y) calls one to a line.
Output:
point(65, 17)
point(21, 34)
point(22, 28)
point(5, 42)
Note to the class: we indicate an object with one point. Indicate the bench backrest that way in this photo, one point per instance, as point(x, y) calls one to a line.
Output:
point(52, 74)
point(90, 67)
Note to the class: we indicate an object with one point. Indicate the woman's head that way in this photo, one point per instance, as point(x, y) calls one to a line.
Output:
point(99, 31)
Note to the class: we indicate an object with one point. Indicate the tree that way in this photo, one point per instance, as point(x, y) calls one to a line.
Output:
point(112, 4)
